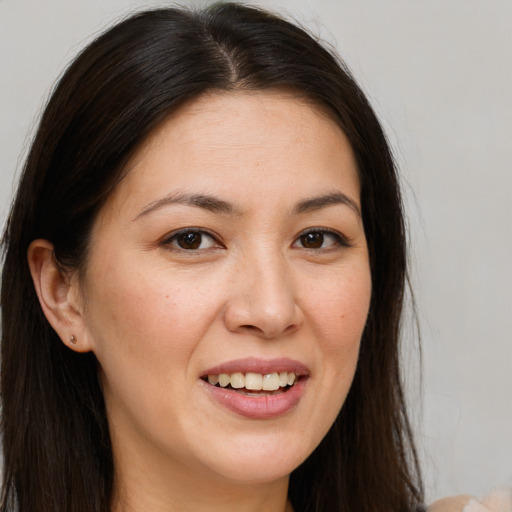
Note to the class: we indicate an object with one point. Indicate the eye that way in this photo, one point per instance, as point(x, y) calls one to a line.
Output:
point(319, 239)
point(191, 240)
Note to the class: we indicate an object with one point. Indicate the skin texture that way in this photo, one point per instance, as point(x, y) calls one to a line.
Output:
point(157, 316)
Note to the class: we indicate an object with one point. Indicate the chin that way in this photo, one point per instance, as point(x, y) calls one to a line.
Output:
point(259, 460)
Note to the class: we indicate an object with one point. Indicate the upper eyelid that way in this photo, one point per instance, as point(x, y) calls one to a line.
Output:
point(320, 229)
point(170, 237)
point(202, 231)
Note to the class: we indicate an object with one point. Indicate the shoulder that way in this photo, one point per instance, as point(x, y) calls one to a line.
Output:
point(498, 501)
point(450, 504)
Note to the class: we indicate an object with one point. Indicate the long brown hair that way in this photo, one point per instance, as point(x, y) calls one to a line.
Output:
point(57, 451)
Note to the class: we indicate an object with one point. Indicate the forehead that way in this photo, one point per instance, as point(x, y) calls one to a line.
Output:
point(241, 142)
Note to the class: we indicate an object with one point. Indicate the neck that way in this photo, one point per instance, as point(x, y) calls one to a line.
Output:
point(160, 488)
point(226, 499)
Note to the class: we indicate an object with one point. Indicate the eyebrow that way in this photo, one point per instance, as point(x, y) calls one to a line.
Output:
point(207, 202)
point(315, 203)
point(216, 205)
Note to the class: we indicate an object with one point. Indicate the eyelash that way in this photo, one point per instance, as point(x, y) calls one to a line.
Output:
point(340, 240)
point(173, 237)
point(171, 240)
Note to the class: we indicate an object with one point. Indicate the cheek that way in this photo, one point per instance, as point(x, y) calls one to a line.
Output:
point(145, 326)
point(146, 307)
point(339, 309)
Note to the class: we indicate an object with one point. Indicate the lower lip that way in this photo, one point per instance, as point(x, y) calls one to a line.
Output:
point(258, 407)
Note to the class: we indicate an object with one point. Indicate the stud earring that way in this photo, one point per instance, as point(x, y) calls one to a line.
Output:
point(72, 339)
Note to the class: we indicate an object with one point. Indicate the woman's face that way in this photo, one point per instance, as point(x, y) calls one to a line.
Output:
point(233, 251)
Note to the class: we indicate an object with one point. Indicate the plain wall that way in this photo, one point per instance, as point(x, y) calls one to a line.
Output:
point(439, 73)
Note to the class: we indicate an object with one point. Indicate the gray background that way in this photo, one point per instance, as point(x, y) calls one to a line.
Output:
point(439, 73)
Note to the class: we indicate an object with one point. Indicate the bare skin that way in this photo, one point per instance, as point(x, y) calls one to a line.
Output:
point(236, 235)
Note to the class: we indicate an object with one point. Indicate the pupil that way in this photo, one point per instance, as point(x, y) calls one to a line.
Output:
point(312, 240)
point(189, 240)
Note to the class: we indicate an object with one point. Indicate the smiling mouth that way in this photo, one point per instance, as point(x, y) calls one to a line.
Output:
point(254, 384)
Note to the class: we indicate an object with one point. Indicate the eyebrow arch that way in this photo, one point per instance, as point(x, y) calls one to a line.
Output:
point(315, 203)
point(207, 202)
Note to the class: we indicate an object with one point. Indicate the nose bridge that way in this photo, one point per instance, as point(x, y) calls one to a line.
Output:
point(264, 301)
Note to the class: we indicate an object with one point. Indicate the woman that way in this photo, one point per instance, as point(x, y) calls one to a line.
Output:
point(209, 315)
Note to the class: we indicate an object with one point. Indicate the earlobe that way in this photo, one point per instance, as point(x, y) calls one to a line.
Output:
point(57, 290)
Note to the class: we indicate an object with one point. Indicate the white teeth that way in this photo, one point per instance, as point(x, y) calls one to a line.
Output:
point(271, 382)
point(224, 379)
point(237, 380)
point(254, 381)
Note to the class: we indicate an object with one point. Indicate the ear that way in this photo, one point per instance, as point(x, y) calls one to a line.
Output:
point(59, 295)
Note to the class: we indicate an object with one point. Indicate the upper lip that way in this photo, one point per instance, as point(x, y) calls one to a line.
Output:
point(256, 365)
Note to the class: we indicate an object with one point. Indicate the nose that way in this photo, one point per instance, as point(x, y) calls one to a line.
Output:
point(263, 301)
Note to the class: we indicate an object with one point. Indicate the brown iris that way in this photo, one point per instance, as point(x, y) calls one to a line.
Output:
point(189, 240)
point(312, 240)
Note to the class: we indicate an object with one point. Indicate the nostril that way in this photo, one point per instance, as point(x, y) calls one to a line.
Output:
point(291, 328)
point(268, 332)
point(250, 327)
